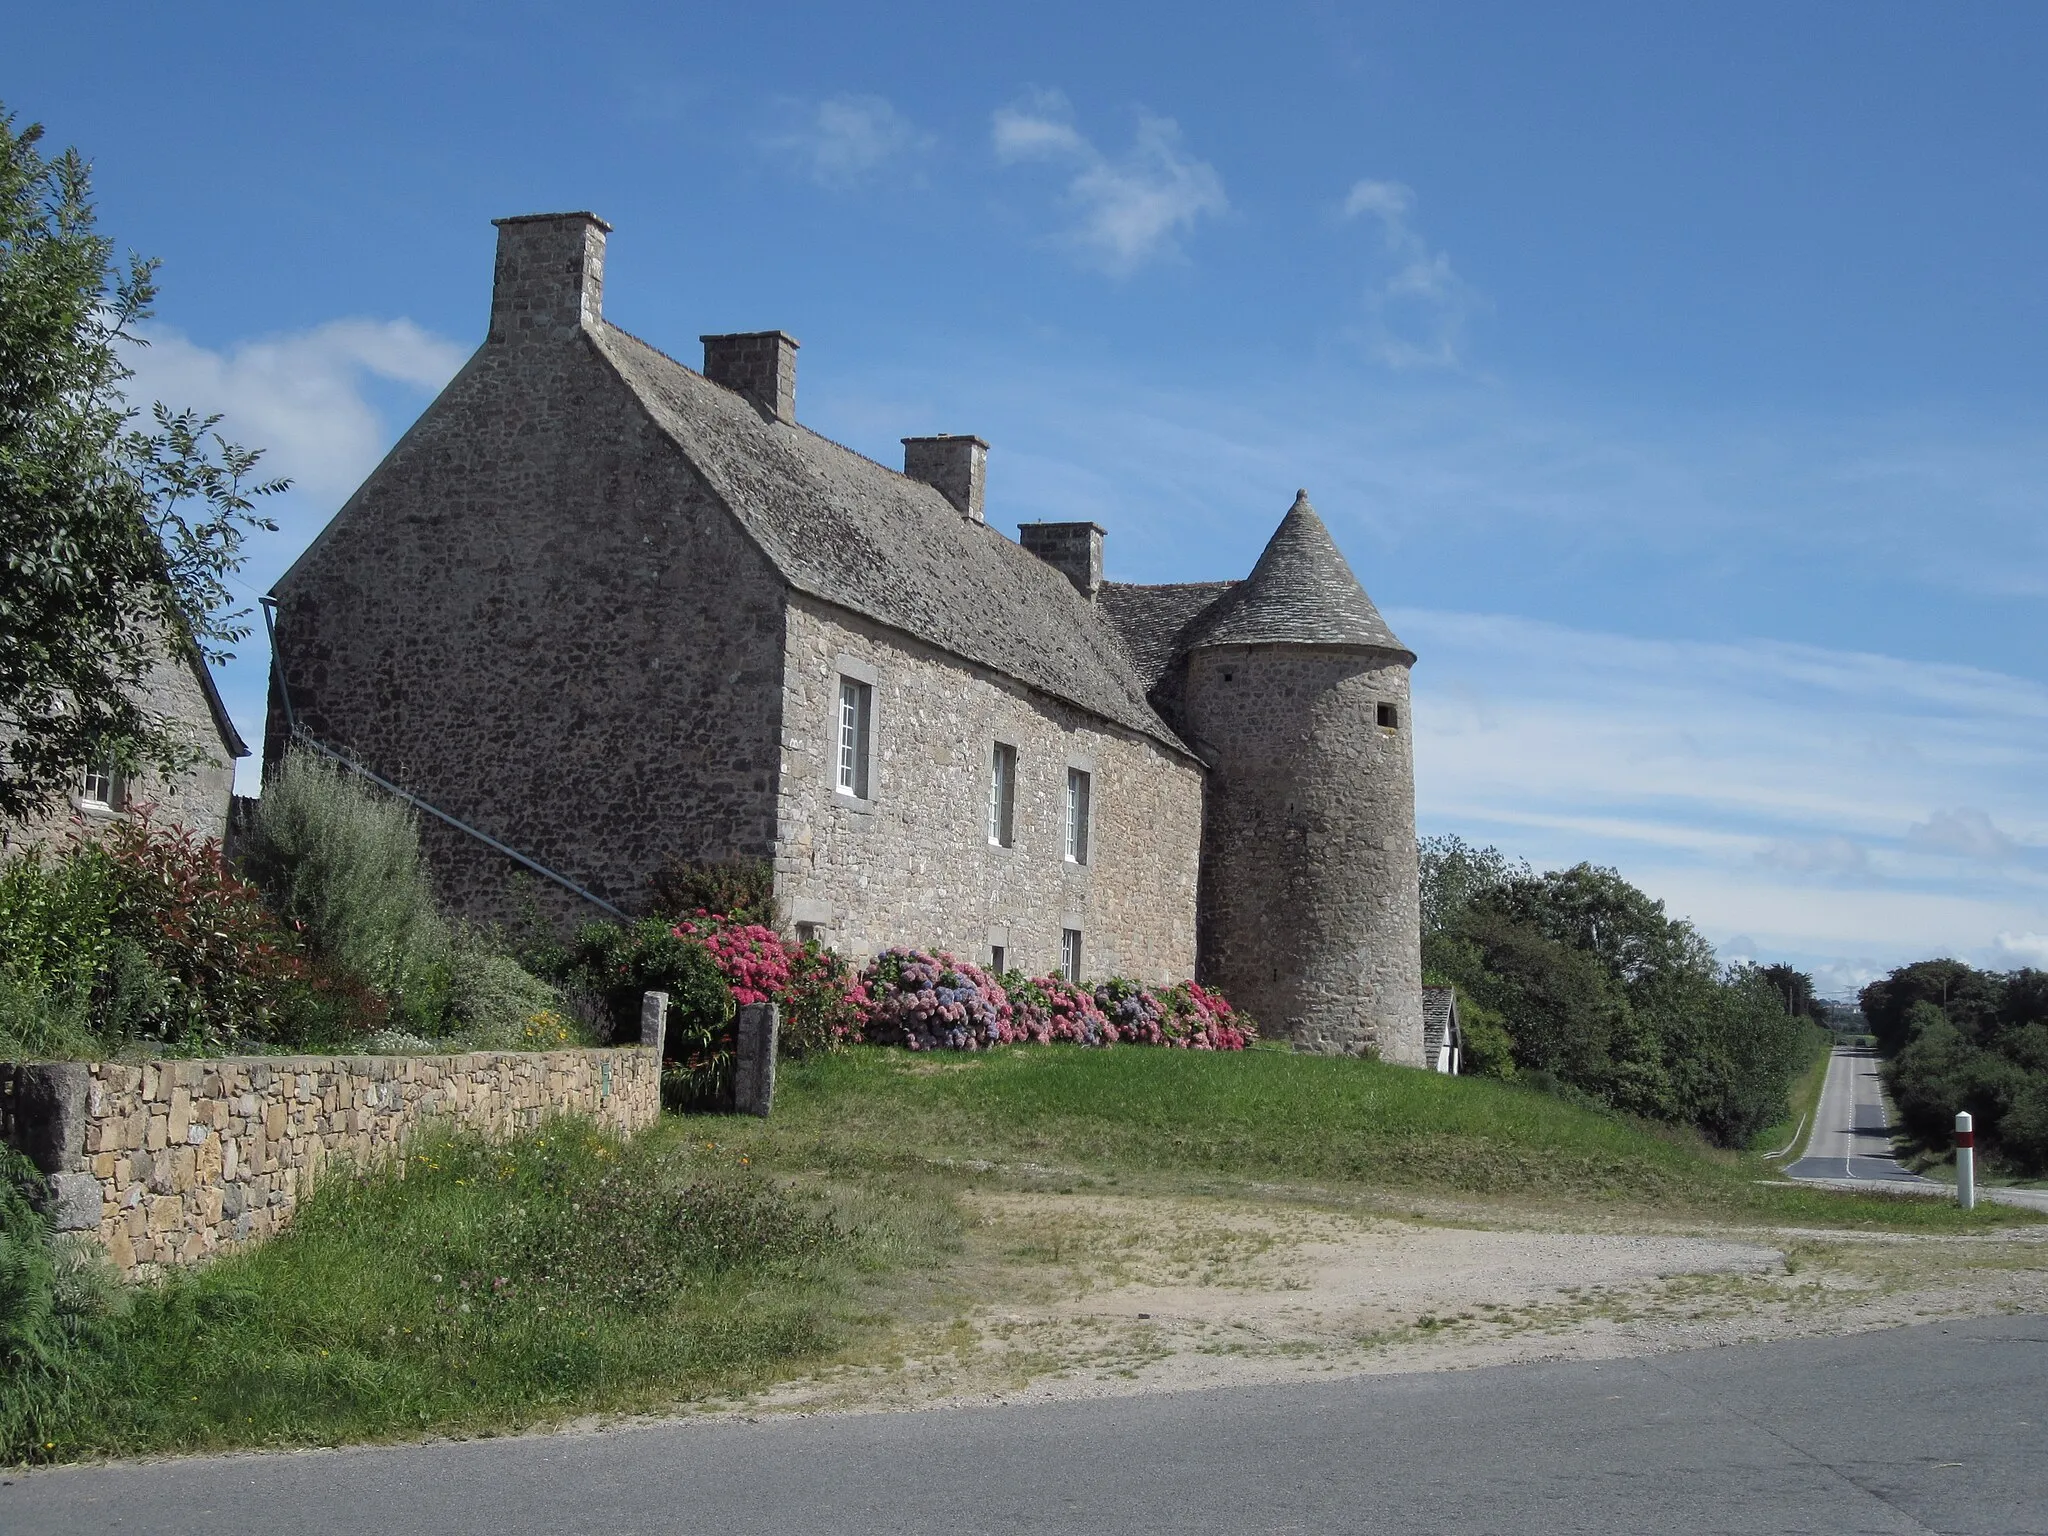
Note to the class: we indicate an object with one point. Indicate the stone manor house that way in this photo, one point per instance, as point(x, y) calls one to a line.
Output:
point(608, 610)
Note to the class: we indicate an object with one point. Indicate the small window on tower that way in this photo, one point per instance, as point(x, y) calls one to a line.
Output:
point(998, 959)
point(1002, 795)
point(1390, 716)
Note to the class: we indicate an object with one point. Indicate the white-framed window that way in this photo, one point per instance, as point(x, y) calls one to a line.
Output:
point(856, 725)
point(998, 959)
point(1070, 954)
point(1079, 789)
point(100, 786)
point(1002, 795)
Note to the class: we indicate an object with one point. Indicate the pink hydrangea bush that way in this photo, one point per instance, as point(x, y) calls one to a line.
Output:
point(754, 960)
point(935, 1002)
point(1199, 1019)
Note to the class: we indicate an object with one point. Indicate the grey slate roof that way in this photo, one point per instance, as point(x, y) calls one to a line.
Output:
point(1301, 592)
point(1155, 621)
point(846, 530)
point(1438, 1005)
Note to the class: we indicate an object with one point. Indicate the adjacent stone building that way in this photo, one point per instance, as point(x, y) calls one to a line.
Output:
point(608, 610)
point(180, 691)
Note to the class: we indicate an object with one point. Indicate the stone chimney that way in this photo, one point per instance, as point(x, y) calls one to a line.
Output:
point(1072, 549)
point(549, 278)
point(758, 364)
point(955, 467)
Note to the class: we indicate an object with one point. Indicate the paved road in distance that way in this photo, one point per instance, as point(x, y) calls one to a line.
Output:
point(1915, 1429)
point(1852, 1136)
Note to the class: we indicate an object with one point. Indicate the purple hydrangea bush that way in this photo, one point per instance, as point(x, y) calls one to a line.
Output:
point(933, 1002)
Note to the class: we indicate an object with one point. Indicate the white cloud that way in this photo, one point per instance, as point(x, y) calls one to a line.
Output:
point(301, 397)
point(1965, 834)
point(1420, 307)
point(1831, 856)
point(1759, 788)
point(1131, 208)
point(843, 140)
point(2012, 950)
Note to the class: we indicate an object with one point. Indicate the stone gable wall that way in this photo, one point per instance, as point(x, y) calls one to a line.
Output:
point(535, 616)
point(1311, 907)
point(171, 1162)
point(914, 865)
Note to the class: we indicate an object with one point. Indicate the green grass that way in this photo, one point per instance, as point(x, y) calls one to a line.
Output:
point(1270, 1116)
point(1804, 1098)
point(486, 1289)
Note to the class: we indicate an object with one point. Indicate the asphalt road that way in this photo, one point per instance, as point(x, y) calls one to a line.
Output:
point(1851, 1134)
point(1934, 1428)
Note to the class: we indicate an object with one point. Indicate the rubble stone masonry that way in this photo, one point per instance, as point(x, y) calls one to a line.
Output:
point(171, 1162)
point(914, 862)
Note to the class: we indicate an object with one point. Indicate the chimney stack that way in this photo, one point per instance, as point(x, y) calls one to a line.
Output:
point(1072, 549)
point(549, 278)
point(955, 467)
point(758, 364)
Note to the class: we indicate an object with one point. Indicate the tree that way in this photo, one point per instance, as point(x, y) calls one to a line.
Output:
point(117, 539)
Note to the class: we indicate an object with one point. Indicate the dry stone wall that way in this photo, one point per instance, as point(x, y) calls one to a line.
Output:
point(914, 864)
point(170, 1162)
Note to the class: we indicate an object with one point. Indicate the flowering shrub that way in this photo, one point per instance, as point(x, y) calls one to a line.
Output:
point(930, 1002)
point(1051, 1009)
point(825, 1005)
point(1199, 1019)
point(1134, 1014)
point(753, 960)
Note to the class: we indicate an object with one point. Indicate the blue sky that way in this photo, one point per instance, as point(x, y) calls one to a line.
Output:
point(1676, 381)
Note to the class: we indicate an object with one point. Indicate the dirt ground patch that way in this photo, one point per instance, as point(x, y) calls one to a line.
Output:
point(1076, 1295)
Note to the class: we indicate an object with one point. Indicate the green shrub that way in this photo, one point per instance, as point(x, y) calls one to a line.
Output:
point(741, 889)
point(342, 860)
point(495, 1004)
point(141, 935)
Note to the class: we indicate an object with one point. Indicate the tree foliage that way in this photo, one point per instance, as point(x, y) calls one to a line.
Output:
point(1957, 1038)
point(117, 538)
point(1584, 983)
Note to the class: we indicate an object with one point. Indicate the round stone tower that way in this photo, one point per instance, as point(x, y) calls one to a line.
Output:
point(1295, 691)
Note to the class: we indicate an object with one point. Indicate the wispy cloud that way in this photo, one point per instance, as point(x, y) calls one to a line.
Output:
point(1419, 304)
point(1788, 794)
point(845, 140)
point(1133, 207)
point(305, 398)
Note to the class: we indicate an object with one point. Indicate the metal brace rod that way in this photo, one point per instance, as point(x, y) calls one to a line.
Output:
point(300, 734)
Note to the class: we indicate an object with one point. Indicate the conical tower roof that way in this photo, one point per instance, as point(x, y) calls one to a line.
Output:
point(1301, 593)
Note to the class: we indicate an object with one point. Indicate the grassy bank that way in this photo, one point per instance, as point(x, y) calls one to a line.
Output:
point(1804, 1099)
point(1167, 1117)
point(487, 1288)
point(481, 1288)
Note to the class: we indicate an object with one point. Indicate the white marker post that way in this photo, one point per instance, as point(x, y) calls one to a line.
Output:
point(1966, 1161)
